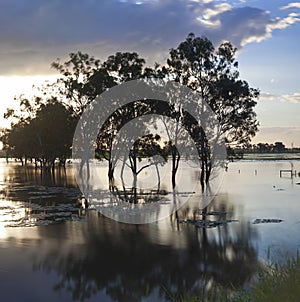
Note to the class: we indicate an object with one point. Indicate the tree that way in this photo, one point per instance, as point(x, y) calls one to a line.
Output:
point(17, 141)
point(279, 147)
point(214, 74)
point(83, 78)
point(124, 66)
point(195, 63)
point(45, 135)
point(146, 147)
point(54, 127)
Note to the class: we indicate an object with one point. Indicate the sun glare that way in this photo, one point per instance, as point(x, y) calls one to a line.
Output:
point(14, 86)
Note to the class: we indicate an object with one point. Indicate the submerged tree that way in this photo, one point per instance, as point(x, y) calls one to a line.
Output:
point(84, 78)
point(213, 73)
point(196, 63)
point(44, 135)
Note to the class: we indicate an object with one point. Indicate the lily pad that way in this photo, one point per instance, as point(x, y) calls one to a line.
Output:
point(207, 223)
point(267, 220)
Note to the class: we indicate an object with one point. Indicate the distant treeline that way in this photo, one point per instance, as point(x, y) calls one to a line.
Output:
point(277, 147)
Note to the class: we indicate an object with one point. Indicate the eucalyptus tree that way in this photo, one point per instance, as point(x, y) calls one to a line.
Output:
point(196, 63)
point(82, 79)
point(17, 140)
point(43, 135)
point(213, 73)
point(53, 128)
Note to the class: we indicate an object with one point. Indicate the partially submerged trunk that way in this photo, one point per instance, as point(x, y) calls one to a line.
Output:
point(175, 164)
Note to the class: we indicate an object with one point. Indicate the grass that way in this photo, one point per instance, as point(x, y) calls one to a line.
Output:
point(216, 294)
point(276, 282)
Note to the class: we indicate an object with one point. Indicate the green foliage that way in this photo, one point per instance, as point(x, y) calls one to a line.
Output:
point(214, 74)
point(275, 282)
point(213, 294)
point(44, 135)
point(82, 80)
point(279, 282)
point(84, 77)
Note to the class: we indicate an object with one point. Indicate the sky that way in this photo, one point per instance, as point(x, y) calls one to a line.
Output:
point(34, 33)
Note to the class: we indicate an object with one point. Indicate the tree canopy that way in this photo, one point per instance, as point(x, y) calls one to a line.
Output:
point(214, 74)
point(43, 127)
point(44, 135)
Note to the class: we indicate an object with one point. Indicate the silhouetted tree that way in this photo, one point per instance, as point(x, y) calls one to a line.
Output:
point(45, 135)
point(196, 63)
point(83, 78)
point(214, 74)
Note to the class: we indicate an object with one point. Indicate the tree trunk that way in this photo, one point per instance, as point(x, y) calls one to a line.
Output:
point(110, 173)
point(202, 174)
point(175, 163)
point(158, 178)
point(134, 187)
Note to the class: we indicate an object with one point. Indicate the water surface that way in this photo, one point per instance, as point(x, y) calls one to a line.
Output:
point(51, 250)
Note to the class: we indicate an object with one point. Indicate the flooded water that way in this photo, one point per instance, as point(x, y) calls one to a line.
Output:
point(53, 250)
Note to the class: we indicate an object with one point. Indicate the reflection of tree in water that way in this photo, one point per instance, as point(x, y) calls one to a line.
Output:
point(16, 175)
point(228, 245)
point(41, 197)
point(45, 188)
point(130, 262)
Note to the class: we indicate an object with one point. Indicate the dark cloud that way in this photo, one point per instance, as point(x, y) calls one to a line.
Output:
point(34, 33)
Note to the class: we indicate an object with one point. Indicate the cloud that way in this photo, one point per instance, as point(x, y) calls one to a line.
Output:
point(283, 23)
point(50, 29)
point(34, 33)
point(273, 81)
point(264, 31)
point(293, 98)
point(268, 96)
point(209, 16)
point(244, 25)
point(287, 135)
point(291, 5)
